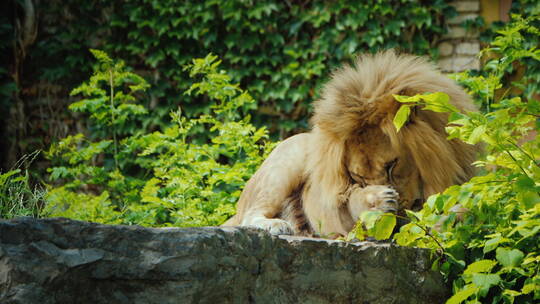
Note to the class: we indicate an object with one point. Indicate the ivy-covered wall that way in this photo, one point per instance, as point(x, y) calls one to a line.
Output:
point(281, 51)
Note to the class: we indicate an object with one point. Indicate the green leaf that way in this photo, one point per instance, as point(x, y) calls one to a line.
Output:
point(5, 176)
point(509, 257)
point(101, 56)
point(480, 266)
point(369, 218)
point(408, 234)
point(485, 281)
point(463, 294)
point(493, 243)
point(357, 232)
point(529, 199)
point(436, 98)
point(384, 226)
point(477, 134)
point(407, 99)
point(430, 202)
point(435, 108)
point(414, 216)
point(511, 293)
point(524, 183)
point(528, 288)
point(438, 102)
point(457, 118)
point(402, 116)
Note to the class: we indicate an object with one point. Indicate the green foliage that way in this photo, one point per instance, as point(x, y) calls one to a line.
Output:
point(436, 102)
point(373, 223)
point(487, 230)
point(521, 77)
point(526, 7)
point(111, 98)
point(281, 51)
point(101, 159)
point(167, 177)
point(17, 196)
point(93, 208)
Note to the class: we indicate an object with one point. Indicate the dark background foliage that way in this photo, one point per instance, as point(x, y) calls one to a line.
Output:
point(280, 51)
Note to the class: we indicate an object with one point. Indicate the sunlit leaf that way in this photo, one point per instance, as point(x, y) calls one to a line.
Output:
point(369, 218)
point(485, 281)
point(384, 226)
point(462, 295)
point(480, 266)
point(509, 257)
point(402, 116)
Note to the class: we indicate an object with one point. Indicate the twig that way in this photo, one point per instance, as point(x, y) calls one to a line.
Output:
point(112, 115)
point(523, 151)
point(531, 114)
point(515, 160)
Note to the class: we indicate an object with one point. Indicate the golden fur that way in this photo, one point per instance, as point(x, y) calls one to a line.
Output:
point(305, 185)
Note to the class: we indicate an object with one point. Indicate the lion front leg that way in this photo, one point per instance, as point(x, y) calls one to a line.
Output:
point(372, 197)
point(267, 195)
point(273, 225)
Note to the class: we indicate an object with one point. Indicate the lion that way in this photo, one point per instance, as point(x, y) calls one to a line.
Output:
point(353, 159)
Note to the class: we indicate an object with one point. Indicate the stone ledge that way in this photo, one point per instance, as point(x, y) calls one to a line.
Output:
point(65, 261)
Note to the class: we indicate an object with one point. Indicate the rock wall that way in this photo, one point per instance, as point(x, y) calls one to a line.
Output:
point(64, 261)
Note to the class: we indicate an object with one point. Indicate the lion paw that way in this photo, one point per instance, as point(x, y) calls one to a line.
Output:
point(274, 226)
point(386, 200)
point(373, 197)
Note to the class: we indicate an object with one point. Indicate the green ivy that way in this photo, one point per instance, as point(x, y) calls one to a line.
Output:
point(281, 51)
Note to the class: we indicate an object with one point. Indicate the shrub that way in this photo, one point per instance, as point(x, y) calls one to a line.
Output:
point(167, 177)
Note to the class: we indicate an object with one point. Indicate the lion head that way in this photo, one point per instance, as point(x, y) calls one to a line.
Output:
point(357, 142)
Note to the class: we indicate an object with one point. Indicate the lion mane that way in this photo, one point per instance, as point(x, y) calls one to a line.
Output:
point(304, 186)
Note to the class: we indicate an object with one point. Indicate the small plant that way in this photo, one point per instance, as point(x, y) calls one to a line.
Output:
point(17, 196)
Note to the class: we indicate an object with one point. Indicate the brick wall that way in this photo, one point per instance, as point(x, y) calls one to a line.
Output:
point(459, 48)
